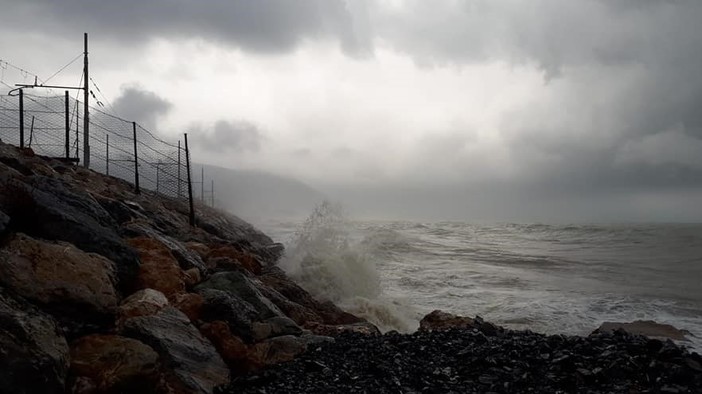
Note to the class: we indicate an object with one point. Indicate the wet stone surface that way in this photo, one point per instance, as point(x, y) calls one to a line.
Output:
point(473, 361)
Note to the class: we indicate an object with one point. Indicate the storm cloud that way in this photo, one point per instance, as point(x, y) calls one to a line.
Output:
point(228, 136)
point(141, 106)
point(582, 109)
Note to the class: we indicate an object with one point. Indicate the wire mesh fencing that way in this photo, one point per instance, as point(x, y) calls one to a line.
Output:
point(53, 126)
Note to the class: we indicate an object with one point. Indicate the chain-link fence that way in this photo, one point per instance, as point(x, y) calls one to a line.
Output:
point(53, 126)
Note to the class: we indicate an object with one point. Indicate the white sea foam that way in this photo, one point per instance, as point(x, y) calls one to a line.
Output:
point(324, 258)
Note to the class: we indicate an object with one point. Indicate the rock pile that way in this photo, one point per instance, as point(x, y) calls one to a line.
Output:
point(483, 358)
point(104, 290)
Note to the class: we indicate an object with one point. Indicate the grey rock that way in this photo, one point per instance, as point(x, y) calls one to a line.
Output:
point(33, 353)
point(193, 361)
point(241, 286)
point(221, 305)
point(47, 208)
point(275, 327)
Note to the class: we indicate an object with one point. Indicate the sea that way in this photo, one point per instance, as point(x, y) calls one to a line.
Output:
point(552, 279)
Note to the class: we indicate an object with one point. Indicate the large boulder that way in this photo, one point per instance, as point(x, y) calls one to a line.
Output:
point(275, 327)
point(275, 278)
point(277, 350)
point(240, 285)
point(142, 303)
point(77, 287)
point(114, 364)
point(33, 353)
point(298, 313)
point(159, 270)
point(190, 304)
point(439, 320)
point(233, 349)
point(222, 305)
point(47, 208)
point(246, 260)
point(647, 328)
point(193, 364)
point(186, 258)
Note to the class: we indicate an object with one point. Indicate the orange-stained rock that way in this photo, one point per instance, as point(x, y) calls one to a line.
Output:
point(438, 320)
point(232, 349)
point(247, 260)
point(192, 277)
point(190, 304)
point(58, 273)
point(112, 364)
point(159, 270)
point(142, 303)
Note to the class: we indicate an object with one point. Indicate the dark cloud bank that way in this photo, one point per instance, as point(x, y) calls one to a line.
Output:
point(616, 136)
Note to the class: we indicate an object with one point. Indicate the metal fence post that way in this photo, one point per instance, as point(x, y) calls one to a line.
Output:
point(21, 117)
point(68, 126)
point(179, 178)
point(136, 160)
point(107, 154)
point(190, 183)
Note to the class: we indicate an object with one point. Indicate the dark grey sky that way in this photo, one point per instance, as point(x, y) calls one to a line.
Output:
point(585, 110)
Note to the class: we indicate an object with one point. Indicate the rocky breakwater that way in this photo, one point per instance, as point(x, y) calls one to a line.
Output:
point(104, 290)
point(454, 354)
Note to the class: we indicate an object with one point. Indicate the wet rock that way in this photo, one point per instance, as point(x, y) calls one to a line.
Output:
point(77, 287)
point(118, 210)
point(277, 350)
point(232, 348)
point(159, 270)
point(275, 278)
point(47, 208)
point(33, 353)
point(114, 364)
point(4, 222)
point(246, 260)
point(298, 313)
point(192, 277)
point(239, 285)
point(221, 305)
point(274, 327)
point(142, 303)
point(193, 363)
point(362, 328)
point(186, 258)
point(190, 304)
point(645, 327)
point(438, 320)
point(201, 249)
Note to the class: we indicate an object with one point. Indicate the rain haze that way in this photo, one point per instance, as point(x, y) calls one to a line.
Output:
point(539, 110)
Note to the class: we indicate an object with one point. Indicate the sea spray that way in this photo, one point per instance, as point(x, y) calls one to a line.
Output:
point(324, 258)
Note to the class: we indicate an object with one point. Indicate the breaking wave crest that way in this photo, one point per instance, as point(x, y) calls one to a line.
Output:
point(324, 258)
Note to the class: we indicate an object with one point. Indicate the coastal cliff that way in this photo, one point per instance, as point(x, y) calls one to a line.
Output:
point(105, 290)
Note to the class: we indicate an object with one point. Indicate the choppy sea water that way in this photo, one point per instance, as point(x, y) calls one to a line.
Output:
point(547, 278)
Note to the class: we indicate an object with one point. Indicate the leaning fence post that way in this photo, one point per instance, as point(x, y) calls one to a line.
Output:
point(136, 160)
point(68, 126)
point(190, 183)
point(21, 117)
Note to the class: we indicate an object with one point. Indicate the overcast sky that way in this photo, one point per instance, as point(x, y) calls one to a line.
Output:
point(511, 110)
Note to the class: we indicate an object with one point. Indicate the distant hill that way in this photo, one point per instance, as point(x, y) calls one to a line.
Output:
point(256, 194)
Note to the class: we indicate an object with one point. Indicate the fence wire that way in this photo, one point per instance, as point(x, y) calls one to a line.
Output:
point(113, 151)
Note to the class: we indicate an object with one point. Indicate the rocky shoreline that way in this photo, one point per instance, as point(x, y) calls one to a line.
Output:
point(466, 355)
point(106, 291)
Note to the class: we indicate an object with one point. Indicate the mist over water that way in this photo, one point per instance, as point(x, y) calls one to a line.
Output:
point(547, 278)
